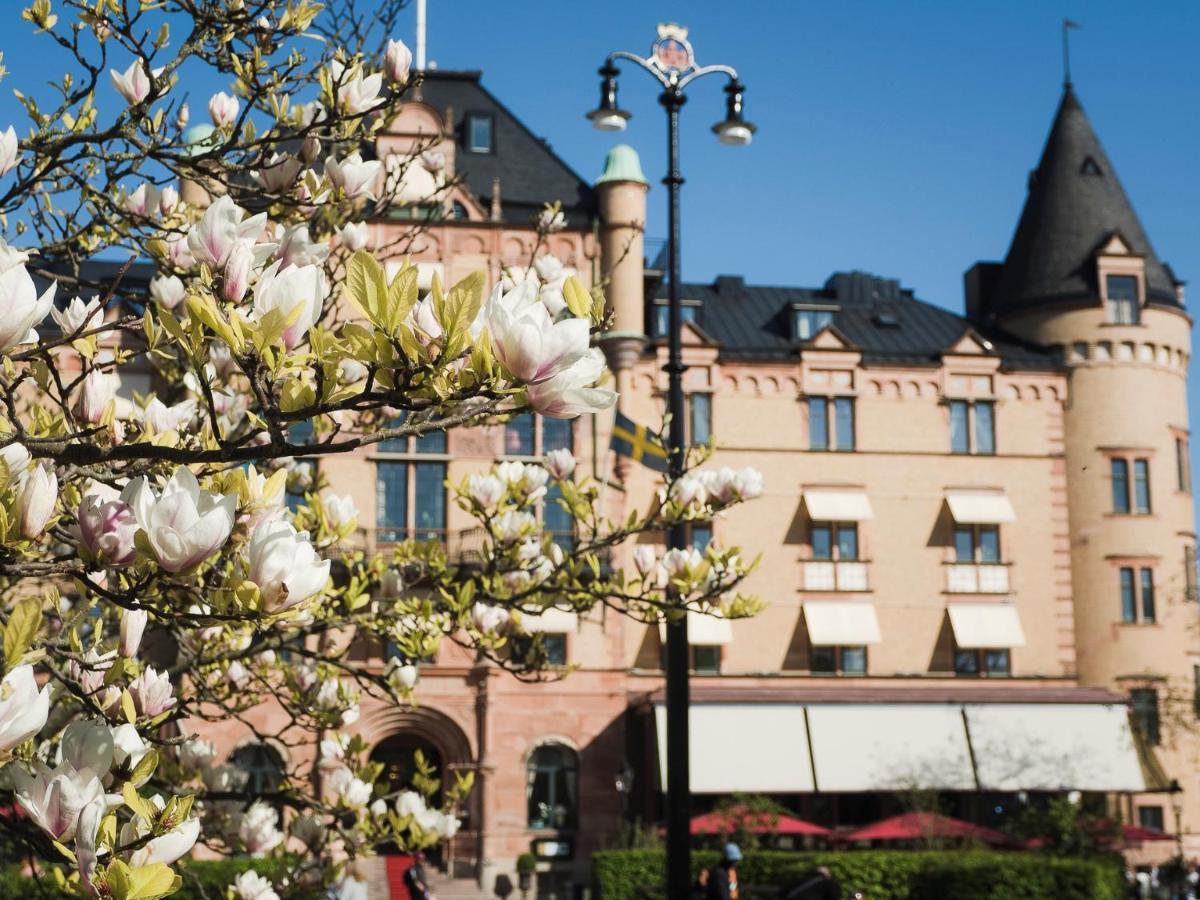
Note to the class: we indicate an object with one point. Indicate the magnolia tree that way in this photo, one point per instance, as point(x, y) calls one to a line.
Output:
point(155, 580)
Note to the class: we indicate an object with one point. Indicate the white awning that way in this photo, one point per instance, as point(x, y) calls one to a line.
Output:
point(986, 625)
point(703, 630)
point(1053, 747)
point(890, 747)
point(845, 505)
point(752, 747)
point(980, 507)
point(551, 621)
point(841, 623)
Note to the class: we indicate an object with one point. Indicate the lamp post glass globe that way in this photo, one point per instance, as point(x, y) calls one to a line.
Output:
point(734, 134)
point(608, 119)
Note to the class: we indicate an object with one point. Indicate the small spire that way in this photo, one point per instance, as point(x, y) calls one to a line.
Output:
point(1067, 25)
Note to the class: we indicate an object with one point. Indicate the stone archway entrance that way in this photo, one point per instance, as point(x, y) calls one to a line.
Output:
point(399, 754)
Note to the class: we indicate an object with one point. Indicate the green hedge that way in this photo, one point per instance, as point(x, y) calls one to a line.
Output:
point(202, 880)
point(882, 874)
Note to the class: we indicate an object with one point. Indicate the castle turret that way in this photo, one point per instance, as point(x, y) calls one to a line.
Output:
point(1081, 276)
point(622, 193)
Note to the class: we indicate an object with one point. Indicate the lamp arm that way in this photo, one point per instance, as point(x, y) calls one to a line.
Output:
point(708, 70)
point(644, 63)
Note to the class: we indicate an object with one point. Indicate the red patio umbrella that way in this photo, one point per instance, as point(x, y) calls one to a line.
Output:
point(728, 820)
point(1136, 834)
point(915, 826)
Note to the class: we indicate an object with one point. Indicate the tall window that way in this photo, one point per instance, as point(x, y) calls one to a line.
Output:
point(1183, 465)
point(835, 540)
point(972, 661)
point(1120, 485)
point(1141, 486)
point(976, 544)
point(479, 133)
point(411, 491)
point(552, 787)
point(972, 427)
point(662, 317)
point(1122, 305)
point(1124, 499)
point(1189, 571)
point(1137, 595)
point(831, 423)
point(699, 418)
point(1145, 713)
point(531, 435)
point(263, 767)
point(1151, 817)
point(839, 660)
point(811, 321)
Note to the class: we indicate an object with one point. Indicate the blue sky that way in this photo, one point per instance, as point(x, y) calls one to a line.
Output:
point(894, 138)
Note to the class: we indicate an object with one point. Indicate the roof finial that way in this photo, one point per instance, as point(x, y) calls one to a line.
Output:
point(1067, 25)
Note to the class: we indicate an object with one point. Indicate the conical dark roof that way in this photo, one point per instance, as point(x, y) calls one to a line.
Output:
point(1075, 204)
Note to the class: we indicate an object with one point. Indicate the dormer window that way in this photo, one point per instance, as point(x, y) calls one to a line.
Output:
point(1121, 299)
point(809, 321)
point(662, 316)
point(479, 133)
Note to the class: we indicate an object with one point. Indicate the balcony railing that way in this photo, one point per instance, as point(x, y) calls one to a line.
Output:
point(828, 575)
point(977, 578)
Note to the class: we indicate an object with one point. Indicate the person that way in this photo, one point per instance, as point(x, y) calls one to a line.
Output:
point(723, 877)
point(816, 885)
point(415, 879)
point(700, 888)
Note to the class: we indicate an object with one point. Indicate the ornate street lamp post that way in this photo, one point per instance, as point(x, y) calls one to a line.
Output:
point(672, 63)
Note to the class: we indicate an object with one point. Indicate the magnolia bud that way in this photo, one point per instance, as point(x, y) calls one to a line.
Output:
point(168, 200)
point(310, 149)
point(644, 558)
point(237, 272)
point(37, 492)
point(181, 117)
point(397, 61)
point(98, 389)
point(133, 623)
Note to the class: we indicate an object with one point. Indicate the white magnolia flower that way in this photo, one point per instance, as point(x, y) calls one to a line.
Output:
point(285, 566)
point(308, 829)
point(486, 490)
point(133, 624)
point(166, 848)
point(158, 418)
point(645, 559)
point(397, 61)
point(21, 309)
point(153, 693)
point(528, 482)
point(143, 201)
point(291, 288)
point(54, 798)
point(89, 672)
point(107, 527)
point(37, 492)
point(278, 174)
point(356, 93)
point(354, 235)
point(401, 675)
point(252, 886)
point(221, 229)
point(9, 151)
point(690, 491)
point(513, 525)
point(560, 463)
point(87, 835)
point(23, 708)
point(572, 392)
point(297, 248)
point(489, 618)
point(224, 778)
point(79, 316)
point(531, 345)
point(726, 485)
point(134, 83)
point(409, 803)
point(348, 789)
point(223, 108)
point(340, 510)
point(168, 199)
point(184, 524)
point(197, 754)
point(551, 221)
point(179, 252)
point(355, 177)
point(433, 160)
point(128, 746)
point(99, 388)
point(683, 563)
point(238, 268)
point(259, 829)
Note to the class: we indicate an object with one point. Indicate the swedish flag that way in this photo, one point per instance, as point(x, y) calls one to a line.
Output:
point(638, 443)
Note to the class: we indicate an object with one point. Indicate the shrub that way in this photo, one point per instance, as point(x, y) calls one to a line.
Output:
point(202, 879)
point(882, 874)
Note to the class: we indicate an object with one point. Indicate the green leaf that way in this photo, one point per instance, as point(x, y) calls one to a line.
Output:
point(366, 285)
point(21, 629)
point(141, 883)
point(144, 769)
point(401, 297)
point(136, 802)
point(459, 311)
point(579, 301)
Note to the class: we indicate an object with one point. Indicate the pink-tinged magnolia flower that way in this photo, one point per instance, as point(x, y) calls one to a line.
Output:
point(560, 463)
point(223, 108)
point(572, 391)
point(221, 229)
point(128, 747)
point(645, 559)
point(16, 460)
point(252, 886)
point(89, 672)
point(184, 525)
point(143, 201)
point(278, 174)
point(197, 754)
point(285, 566)
point(725, 485)
point(296, 248)
point(158, 418)
point(179, 251)
point(134, 83)
point(289, 289)
point(486, 490)
point(54, 798)
point(433, 160)
point(397, 61)
point(23, 708)
point(87, 834)
point(689, 491)
point(79, 316)
point(99, 388)
point(531, 345)
point(683, 563)
point(183, 117)
point(153, 693)
point(168, 199)
point(107, 527)
point(37, 492)
point(355, 177)
point(133, 624)
point(21, 309)
point(551, 221)
point(356, 93)
point(9, 151)
point(259, 829)
point(354, 235)
point(237, 273)
point(168, 290)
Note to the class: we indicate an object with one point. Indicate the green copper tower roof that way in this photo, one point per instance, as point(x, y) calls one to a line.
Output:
point(622, 164)
point(200, 138)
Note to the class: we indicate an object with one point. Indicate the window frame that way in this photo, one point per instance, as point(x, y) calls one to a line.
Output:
point(1183, 464)
point(660, 321)
point(532, 769)
point(976, 532)
point(835, 530)
point(706, 410)
point(830, 406)
point(972, 426)
point(823, 314)
point(1131, 483)
point(1151, 728)
point(565, 539)
point(979, 659)
point(412, 459)
point(693, 659)
point(839, 659)
point(469, 120)
point(1136, 591)
point(1111, 303)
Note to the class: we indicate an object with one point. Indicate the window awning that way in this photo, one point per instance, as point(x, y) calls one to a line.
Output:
point(980, 507)
point(830, 505)
point(704, 630)
point(1053, 747)
point(751, 747)
point(986, 626)
point(551, 621)
point(890, 747)
point(841, 623)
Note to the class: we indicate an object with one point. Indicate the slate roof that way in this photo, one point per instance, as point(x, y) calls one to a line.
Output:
point(530, 173)
point(1075, 204)
point(882, 319)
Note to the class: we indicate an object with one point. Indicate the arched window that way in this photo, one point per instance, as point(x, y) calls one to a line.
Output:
point(552, 787)
point(263, 765)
